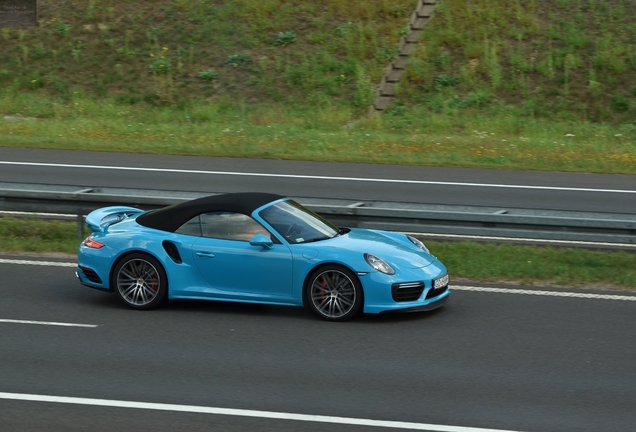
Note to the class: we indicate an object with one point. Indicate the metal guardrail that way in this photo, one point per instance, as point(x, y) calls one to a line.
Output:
point(405, 217)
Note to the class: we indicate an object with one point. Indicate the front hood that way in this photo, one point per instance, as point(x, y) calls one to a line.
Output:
point(401, 254)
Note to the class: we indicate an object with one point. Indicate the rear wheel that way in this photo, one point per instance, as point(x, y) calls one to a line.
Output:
point(140, 281)
point(334, 293)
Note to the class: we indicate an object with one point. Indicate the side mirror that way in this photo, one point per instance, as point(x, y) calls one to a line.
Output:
point(262, 241)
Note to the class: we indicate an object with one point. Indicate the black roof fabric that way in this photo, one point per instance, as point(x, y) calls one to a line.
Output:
point(172, 217)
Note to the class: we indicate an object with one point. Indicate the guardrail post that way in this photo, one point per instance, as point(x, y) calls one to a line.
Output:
point(80, 227)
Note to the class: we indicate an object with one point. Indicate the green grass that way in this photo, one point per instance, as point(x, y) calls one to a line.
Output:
point(38, 235)
point(475, 261)
point(487, 139)
point(531, 264)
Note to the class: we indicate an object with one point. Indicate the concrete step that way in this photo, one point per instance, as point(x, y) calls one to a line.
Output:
point(385, 91)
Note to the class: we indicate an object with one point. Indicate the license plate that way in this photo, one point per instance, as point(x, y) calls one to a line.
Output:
point(440, 282)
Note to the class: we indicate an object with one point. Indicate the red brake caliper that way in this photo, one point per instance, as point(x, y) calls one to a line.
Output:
point(154, 283)
point(323, 291)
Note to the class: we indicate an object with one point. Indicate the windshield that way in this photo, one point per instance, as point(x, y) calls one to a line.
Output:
point(297, 224)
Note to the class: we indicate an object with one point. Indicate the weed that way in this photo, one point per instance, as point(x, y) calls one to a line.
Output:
point(317, 38)
point(403, 31)
point(25, 53)
point(398, 11)
point(160, 66)
point(39, 52)
point(236, 60)
point(619, 103)
point(63, 29)
point(493, 65)
point(36, 83)
point(386, 53)
point(208, 75)
point(344, 29)
point(445, 80)
point(363, 96)
point(285, 38)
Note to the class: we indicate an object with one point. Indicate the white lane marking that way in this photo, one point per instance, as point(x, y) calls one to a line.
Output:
point(516, 240)
point(38, 263)
point(315, 177)
point(19, 213)
point(48, 323)
point(245, 413)
point(544, 293)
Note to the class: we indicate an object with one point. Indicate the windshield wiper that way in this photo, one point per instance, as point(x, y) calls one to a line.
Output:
point(317, 239)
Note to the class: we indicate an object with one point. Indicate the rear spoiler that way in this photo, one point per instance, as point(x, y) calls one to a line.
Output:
point(99, 220)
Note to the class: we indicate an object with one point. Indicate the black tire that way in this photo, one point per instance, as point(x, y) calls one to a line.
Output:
point(334, 293)
point(140, 281)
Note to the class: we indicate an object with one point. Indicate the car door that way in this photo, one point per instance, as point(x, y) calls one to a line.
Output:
point(229, 263)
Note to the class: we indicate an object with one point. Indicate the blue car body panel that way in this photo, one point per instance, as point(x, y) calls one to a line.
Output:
point(231, 270)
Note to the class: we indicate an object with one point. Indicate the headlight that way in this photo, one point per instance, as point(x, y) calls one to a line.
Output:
point(418, 243)
point(379, 264)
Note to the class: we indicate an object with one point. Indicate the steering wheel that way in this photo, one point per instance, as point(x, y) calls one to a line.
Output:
point(293, 231)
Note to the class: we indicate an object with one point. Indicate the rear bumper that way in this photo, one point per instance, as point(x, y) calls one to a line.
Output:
point(96, 282)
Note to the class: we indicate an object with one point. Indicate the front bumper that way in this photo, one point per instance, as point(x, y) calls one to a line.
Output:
point(434, 304)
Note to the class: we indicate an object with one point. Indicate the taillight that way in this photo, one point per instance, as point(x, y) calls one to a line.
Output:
point(89, 242)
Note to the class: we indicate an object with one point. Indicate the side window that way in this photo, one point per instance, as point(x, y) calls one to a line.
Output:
point(191, 227)
point(230, 226)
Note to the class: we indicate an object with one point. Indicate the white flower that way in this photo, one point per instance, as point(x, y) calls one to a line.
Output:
point(569, 135)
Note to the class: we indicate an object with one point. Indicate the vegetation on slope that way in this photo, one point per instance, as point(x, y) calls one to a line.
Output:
point(172, 51)
point(524, 84)
point(562, 59)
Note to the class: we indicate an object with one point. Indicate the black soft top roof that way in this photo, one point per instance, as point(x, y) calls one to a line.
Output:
point(172, 217)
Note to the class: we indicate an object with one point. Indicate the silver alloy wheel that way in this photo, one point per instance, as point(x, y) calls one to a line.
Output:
point(333, 294)
point(138, 282)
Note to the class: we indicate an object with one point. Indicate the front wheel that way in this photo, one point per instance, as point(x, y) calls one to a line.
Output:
point(140, 281)
point(334, 293)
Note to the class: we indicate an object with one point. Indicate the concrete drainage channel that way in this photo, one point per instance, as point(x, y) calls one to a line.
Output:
point(616, 231)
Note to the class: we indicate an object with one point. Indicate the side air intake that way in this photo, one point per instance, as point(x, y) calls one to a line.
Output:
point(172, 251)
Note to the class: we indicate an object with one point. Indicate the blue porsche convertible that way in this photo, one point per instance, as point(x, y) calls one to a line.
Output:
point(258, 248)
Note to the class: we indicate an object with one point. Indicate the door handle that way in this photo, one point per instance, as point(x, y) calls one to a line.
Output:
point(202, 254)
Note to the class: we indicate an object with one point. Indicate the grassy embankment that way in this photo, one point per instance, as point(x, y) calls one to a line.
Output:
point(536, 84)
point(480, 262)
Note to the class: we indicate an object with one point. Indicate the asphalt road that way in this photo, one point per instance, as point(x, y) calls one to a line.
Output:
point(432, 185)
point(504, 361)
